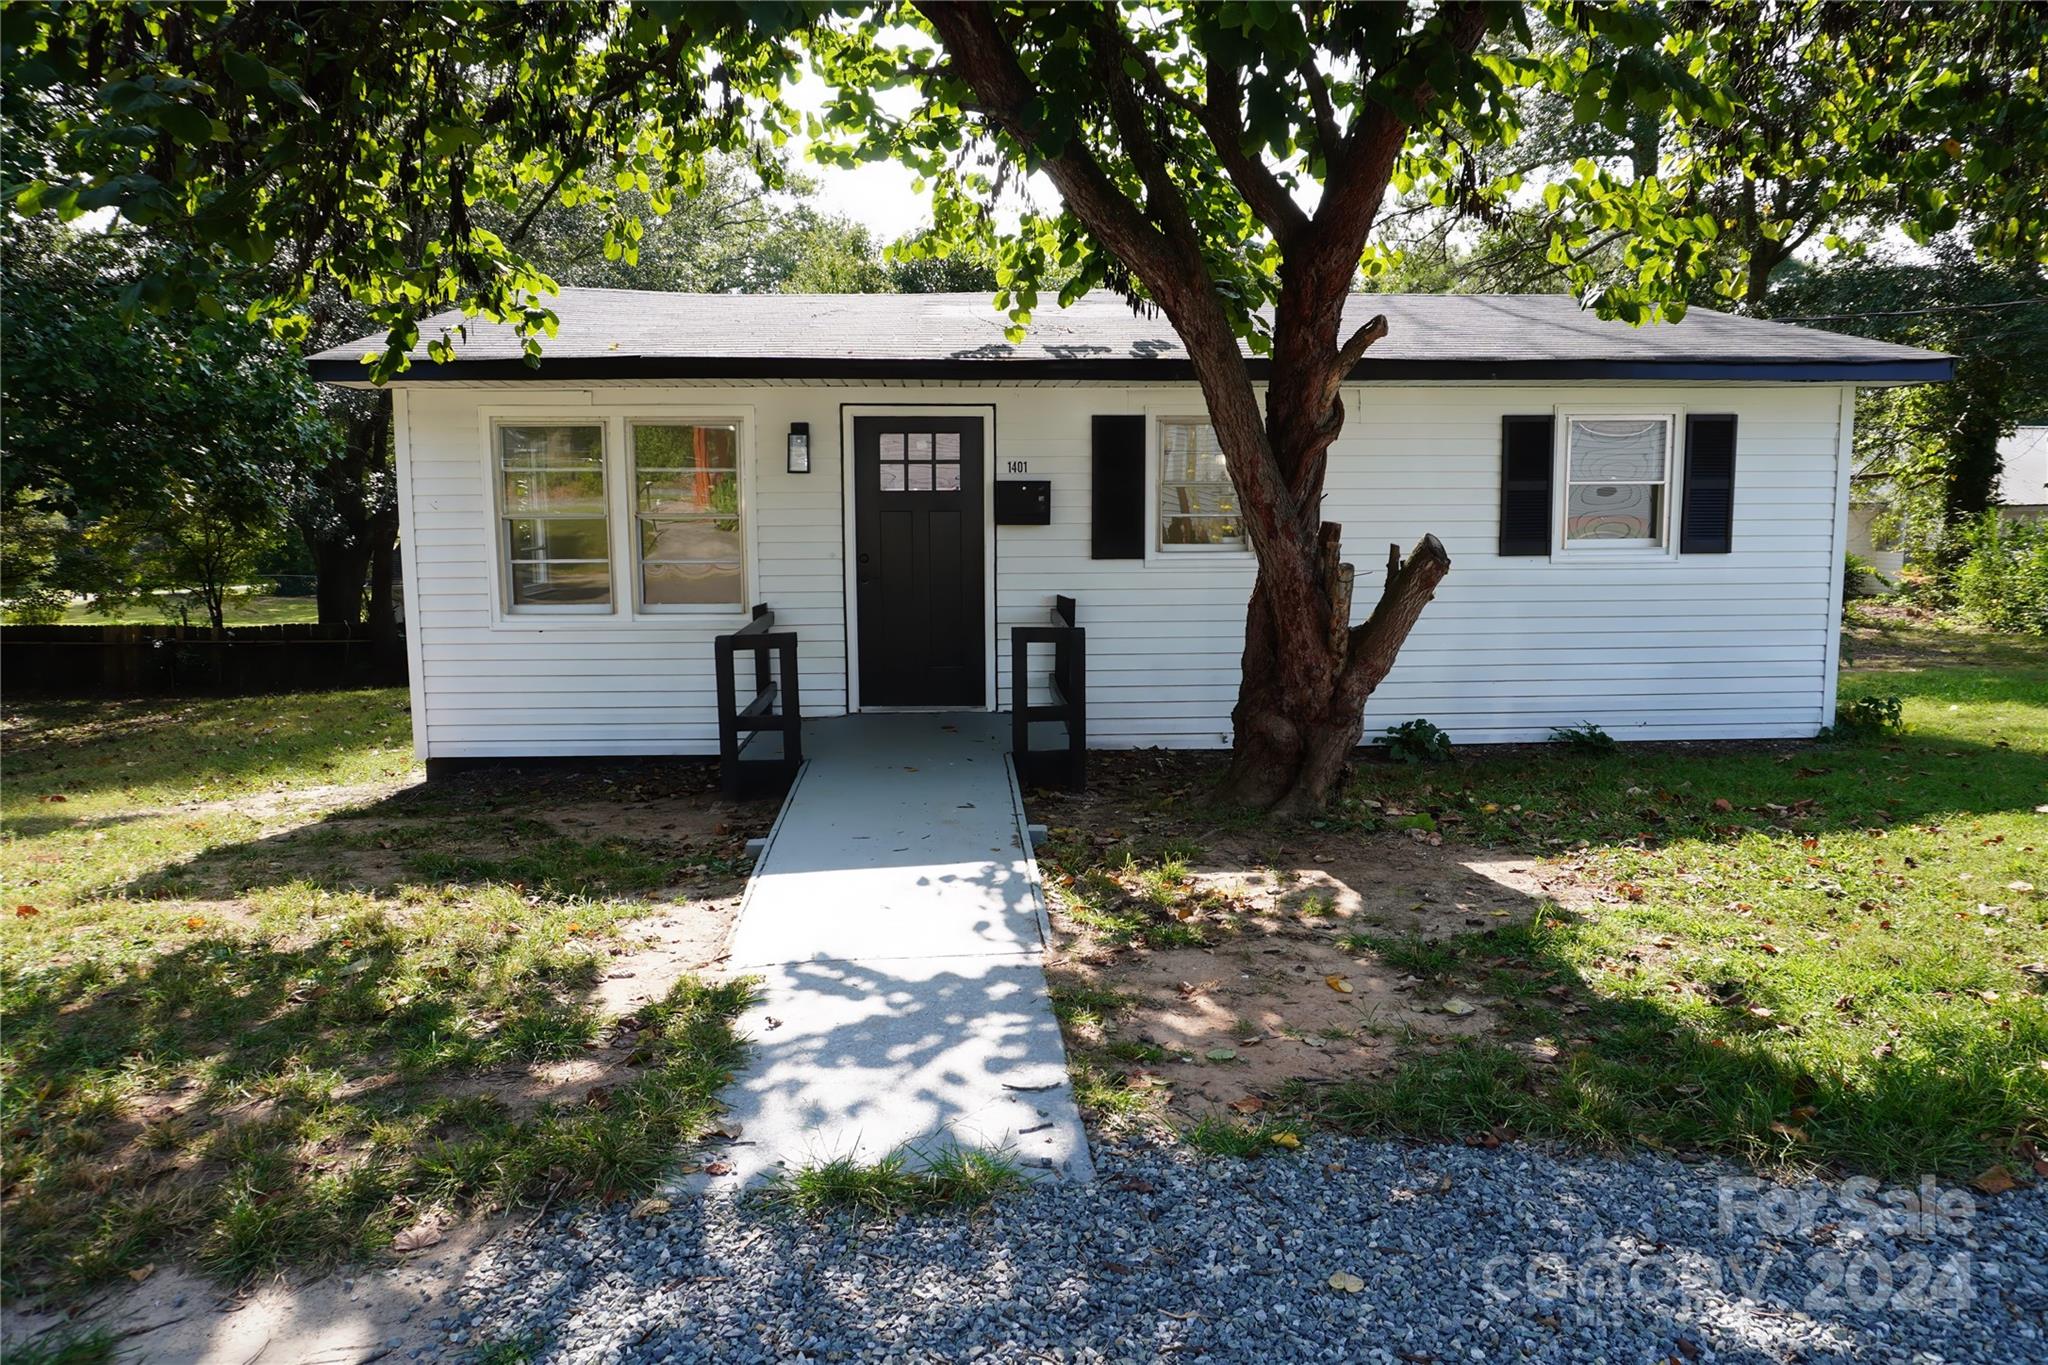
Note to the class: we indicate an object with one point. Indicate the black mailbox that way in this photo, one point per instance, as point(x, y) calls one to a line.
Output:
point(1024, 502)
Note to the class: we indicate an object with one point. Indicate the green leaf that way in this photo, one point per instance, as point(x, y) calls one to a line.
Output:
point(246, 71)
point(187, 123)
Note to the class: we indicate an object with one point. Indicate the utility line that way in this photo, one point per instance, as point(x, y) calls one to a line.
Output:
point(1912, 312)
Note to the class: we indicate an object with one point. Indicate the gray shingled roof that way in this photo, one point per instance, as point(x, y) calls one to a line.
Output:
point(634, 334)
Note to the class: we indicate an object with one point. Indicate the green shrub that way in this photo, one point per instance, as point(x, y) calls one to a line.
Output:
point(1867, 716)
point(1855, 568)
point(1416, 741)
point(1585, 737)
point(2002, 581)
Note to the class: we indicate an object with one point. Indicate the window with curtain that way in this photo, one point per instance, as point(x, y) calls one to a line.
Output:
point(553, 531)
point(1618, 476)
point(686, 500)
point(1197, 502)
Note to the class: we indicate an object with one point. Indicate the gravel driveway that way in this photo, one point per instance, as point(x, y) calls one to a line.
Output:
point(1464, 1254)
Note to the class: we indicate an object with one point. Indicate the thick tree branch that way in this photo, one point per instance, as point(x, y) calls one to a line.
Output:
point(1374, 642)
point(1328, 133)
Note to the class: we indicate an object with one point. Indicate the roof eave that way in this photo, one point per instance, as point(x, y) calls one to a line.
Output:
point(1931, 369)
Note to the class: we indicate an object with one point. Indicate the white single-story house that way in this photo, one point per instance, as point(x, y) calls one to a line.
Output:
point(1646, 525)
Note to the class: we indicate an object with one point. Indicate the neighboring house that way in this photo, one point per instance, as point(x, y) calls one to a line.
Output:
point(2023, 473)
point(1869, 539)
point(1646, 525)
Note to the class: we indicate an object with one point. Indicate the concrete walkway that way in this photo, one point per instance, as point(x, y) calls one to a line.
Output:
point(898, 924)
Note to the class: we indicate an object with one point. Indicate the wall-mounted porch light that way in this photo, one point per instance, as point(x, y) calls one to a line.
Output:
point(799, 447)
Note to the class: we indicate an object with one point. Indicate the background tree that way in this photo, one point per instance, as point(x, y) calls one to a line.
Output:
point(1224, 163)
point(156, 441)
point(1850, 123)
point(1937, 445)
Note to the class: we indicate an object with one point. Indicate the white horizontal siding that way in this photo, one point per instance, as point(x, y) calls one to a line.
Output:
point(1707, 646)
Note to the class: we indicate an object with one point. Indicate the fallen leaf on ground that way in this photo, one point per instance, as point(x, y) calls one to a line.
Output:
point(1996, 1180)
point(1345, 1282)
point(421, 1235)
point(1788, 1130)
point(718, 1168)
point(142, 1274)
point(1250, 1104)
point(1337, 983)
point(26, 912)
point(647, 1208)
point(1459, 1007)
point(1221, 1054)
point(1291, 1141)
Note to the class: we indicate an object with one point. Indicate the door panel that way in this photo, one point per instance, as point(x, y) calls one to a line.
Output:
point(918, 530)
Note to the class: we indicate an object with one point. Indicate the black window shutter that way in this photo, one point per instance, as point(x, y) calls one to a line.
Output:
point(1118, 502)
point(1526, 445)
point(1707, 520)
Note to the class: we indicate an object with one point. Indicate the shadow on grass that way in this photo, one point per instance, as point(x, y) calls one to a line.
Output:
point(87, 747)
point(379, 1042)
point(258, 1107)
point(471, 830)
point(1755, 999)
point(1949, 1097)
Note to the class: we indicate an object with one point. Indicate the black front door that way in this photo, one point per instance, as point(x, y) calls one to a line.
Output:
point(917, 530)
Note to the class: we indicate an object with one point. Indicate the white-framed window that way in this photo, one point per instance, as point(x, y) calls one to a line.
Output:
point(687, 529)
point(1198, 507)
point(554, 530)
point(1616, 490)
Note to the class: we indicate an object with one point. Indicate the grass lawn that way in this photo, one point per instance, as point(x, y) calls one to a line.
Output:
point(269, 1003)
point(240, 609)
point(1812, 954)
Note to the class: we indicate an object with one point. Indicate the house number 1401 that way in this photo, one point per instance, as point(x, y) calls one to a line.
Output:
point(1018, 467)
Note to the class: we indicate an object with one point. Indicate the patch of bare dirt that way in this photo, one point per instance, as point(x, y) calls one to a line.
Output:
point(1279, 995)
point(174, 1316)
point(686, 817)
point(297, 805)
point(655, 953)
point(1316, 964)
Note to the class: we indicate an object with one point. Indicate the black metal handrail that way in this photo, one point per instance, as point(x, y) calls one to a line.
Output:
point(774, 707)
point(1068, 683)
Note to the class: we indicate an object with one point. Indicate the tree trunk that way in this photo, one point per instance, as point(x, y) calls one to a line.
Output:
point(351, 513)
point(383, 616)
point(1293, 743)
point(1971, 479)
point(342, 563)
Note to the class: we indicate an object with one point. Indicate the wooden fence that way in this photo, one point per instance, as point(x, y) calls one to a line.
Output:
point(142, 661)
